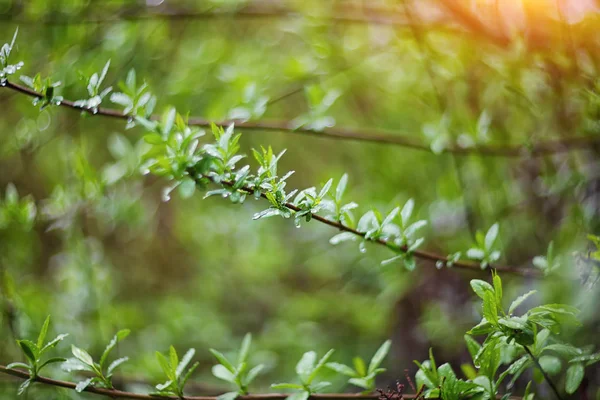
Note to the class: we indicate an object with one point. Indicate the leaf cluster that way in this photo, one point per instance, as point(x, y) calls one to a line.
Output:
point(307, 370)
point(176, 371)
point(360, 375)
point(103, 374)
point(240, 374)
point(34, 352)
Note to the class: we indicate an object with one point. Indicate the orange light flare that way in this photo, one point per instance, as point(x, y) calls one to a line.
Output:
point(539, 18)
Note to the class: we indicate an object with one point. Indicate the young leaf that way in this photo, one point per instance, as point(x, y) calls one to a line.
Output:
point(253, 373)
point(481, 287)
point(519, 300)
point(164, 364)
point(574, 377)
point(122, 334)
point(223, 373)
point(43, 332)
point(82, 355)
point(113, 365)
point(223, 360)
point(342, 369)
point(243, 356)
point(81, 386)
point(228, 396)
point(185, 360)
point(379, 356)
point(29, 350)
point(490, 236)
point(306, 365)
point(319, 366)
point(287, 386)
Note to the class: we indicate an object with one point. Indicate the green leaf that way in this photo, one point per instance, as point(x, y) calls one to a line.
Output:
point(187, 188)
point(245, 349)
point(81, 386)
point(472, 345)
point(29, 349)
point(43, 332)
point(550, 364)
point(153, 138)
point(164, 364)
point(425, 375)
point(253, 373)
point(514, 322)
point(306, 365)
point(498, 290)
point(490, 310)
point(228, 396)
point(407, 212)
point(519, 300)
point(588, 359)
point(120, 335)
point(359, 366)
point(304, 395)
point(223, 373)
point(341, 188)
point(17, 364)
point(574, 377)
point(481, 287)
point(361, 382)
point(173, 361)
point(287, 386)
point(484, 327)
point(54, 341)
point(565, 350)
point(379, 355)
point(52, 360)
point(317, 387)
point(188, 374)
point(23, 386)
point(490, 237)
point(82, 355)
point(319, 366)
point(166, 388)
point(342, 369)
point(223, 360)
point(169, 120)
point(185, 360)
point(115, 364)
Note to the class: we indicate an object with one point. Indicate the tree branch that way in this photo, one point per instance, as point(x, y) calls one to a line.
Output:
point(424, 255)
point(373, 136)
point(546, 377)
point(139, 396)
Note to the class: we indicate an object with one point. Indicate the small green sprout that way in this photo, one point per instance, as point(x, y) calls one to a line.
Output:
point(360, 375)
point(34, 352)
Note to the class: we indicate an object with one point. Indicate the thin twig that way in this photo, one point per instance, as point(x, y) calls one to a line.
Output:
point(386, 16)
point(373, 136)
point(139, 396)
point(530, 272)
point(546, 377)
point(424, 255)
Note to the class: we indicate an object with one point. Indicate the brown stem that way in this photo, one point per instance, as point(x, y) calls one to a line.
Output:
point(374, 136)
point(546, 377)
point(201, 122)
point(424, 255)
point(128, 395)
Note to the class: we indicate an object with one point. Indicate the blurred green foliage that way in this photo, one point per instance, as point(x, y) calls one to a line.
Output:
point(86, 238)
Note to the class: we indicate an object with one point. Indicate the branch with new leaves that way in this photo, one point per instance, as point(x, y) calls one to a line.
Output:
point(175, 153)
point(514, 343)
